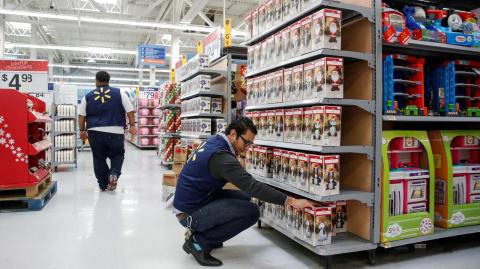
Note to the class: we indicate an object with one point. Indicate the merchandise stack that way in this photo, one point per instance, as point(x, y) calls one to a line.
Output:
point(146, 119)
point(169, 125)
point(64, 132)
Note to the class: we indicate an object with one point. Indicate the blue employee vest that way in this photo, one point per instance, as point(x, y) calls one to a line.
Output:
point(105, 108)
point(196, 185)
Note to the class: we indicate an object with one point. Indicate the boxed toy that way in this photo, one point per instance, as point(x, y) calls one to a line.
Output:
point(250, 91)
point(203, 81)
point(261, 161)
point(326, 29)
point(263, 57)
point(269, 163)
point(317, 226)
point(296, 7)
point(332, 126)
point(277, 96)
point(315, 174)
point(262, 90)
point(287, 84)
point(217, 105)
point(263, 124)
point(286, 43)
point(249, 22)
point(255, 117)
point(307, 4)
point(205, 104)
point(278, 50)
point(333, 77)
point(293, 169)
point(258, 56)
point(307, 125)
point(255, 22)
point(269, 13)
point(279, 124)
point(269, 85)
point(308, 81)
point(331, 175)
point(220, 126)
point(251, 59)
point(340, 217)
point(295, 40)
point(277, 164)
point(306, 34)
point(256, 91)
point(249, 160)
point(286, 9)
point(255, 159)
point(297, 125)
point(280, 216)
point(297, 228)
point(318, 115)
point(261, 19)
point(205, 126)
point(302, 177)
point(277, 17)
point(297, 83)
point(285, 172)
point(289, 134)
point(269, 51)
point(271, 123)
point(320, 79)
point(289, 218)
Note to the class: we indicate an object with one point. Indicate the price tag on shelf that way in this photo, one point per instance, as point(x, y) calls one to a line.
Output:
point(149, 93)
point(27, 76)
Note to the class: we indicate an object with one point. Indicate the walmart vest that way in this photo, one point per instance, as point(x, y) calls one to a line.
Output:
point(105, 108)
point(195, 185)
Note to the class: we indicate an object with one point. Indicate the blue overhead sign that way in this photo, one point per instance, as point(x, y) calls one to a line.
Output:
point(151, 55)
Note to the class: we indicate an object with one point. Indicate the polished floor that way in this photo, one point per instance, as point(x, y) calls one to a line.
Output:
point(82, 228)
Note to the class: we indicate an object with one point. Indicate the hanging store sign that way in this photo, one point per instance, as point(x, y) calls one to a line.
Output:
point(148, 92)
point(228, 33)
point(213, 45)
point(28, 76)
point(151, 55)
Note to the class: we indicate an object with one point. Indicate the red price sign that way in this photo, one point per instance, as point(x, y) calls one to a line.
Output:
point(404, 37)
point(389, 34)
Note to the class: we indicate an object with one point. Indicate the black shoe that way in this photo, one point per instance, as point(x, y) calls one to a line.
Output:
point(203, 258)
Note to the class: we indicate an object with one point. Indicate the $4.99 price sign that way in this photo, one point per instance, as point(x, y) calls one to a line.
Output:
point(24, 75)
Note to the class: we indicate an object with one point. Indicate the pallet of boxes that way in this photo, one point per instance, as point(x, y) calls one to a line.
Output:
point(170, 178)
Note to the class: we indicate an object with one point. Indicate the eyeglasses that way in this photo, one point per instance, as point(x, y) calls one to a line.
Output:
point(246, 142)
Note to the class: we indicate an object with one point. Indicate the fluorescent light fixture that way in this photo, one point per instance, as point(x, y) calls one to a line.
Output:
point(92, 84)
point(166, 37)
point(71, 48)
point(145, 24)
point(111, 2)
point(93, 78)
point(19, 25)
point(107, 68)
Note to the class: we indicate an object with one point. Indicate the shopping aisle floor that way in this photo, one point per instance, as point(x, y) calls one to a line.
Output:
point(82, 228)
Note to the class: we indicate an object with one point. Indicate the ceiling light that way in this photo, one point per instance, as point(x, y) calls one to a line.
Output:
point(93, 84)
point(166, 37)
point(107, 68)
point(72, 48)
point(93, 78)
point(91, 61)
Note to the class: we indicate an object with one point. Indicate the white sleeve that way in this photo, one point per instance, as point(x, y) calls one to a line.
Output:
point(82, 109)
point(127, 105)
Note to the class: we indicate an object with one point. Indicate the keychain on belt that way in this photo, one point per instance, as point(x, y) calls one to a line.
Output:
point(189, 231)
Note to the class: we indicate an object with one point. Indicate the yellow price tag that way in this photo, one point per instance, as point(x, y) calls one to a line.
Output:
point(228, 33)
point(199, 47)
point(172, 74)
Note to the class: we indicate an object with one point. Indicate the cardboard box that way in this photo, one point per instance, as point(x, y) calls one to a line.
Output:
point(262, 161)
point(289, 134)
point(263, 60)
point(269, 88)
point(179, 154)
point(261, 19)
point(217, 105)
point(309, 81)
point(177, 167)
point(256, 91)
point(297, 125)
point(255, 117)
point(315, 174)
point(255, 22)
point(258, 56)
point(205, 104)
point(295, 49)
point(220, 126)
point(318, 114)
point(263, 125)
point(277, 96)
point(287, 84)
point(248, 160)
point(332, 126)
point(302, 177)
point(333, 77)
point(269, 163)
point(307, 125)
point(306, 34)
point(278, 14)
point(317, 226)
point(269, 10)
point(270, 50)
point(278, 51)
point(331, 174)
point(271, 123)
point(286, 43)
point(326, 29)
point(279, 124)
point(250, 92)
point(293, 169)
point(297, 228)
point(340, 217)
point(285, 172)
point(169, 179)
point(277, 164)
point(251, 59)
point(262, 97)
point(297, 83)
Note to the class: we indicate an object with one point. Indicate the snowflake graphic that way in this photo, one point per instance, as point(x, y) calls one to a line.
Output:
point(19, 149)
point(6, 125)
point(8, 135)
point(2, 141)
point(19, 154)
point(11, 141)
point(17, 160)
point(2, 132)
point(2, 119)
point(14, 152)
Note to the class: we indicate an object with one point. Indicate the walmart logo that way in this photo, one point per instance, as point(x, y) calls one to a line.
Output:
point(102, 95)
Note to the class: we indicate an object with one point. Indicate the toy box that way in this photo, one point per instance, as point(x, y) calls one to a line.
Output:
point(268, 168)
point(269, 13)
point(250, 91)
point(262, 90)
point(277, 165)
point(285, 172)
point(326, 29)
point(297, 125)
point(339, 218)
point(306, 34)
point(393, 23)
point(263, 124)
point(262, 161)
point(269, 88)
point(331, 175)
point(302, 176)
point(332, 126)
point(286, 9)
point(289, 217)
point(315, 174)
point(261, 19)
point(289, 133)
point(256, 91)
point(255, 117)
point(220, 126)
point(334, 77)
point(278, 13)
point(249, 22)
point(263, 54)
point(269, 55)
point(420, 27)
point(287, 84)
point(317, 226)
point(293, 169)
point(217, 105)
point(255, 23)
point(297, 228)
point(205, 126)
point(279, 125)
point(297, 83)
point(249, 160)
point(318, 115)
point(307, 125)
point(258, 56)
point(295, 7)
point(271, 123)
point(457, 172)
point(295, 49)
point(251, 58)
point(204, 81)
point(278, 48)
point(308, 81)
point(255, 158)
point(407, 185)
point(319, 83)
point(277, 87)
point(286, 43)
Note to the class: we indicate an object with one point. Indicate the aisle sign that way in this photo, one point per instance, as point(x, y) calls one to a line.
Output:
point(28, 76)
point(148, 92)
point(199, 47)
point(213, 45)
point(228, 33)
point(151, 55)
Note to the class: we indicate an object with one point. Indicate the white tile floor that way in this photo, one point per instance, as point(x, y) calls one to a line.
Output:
point(83, 228)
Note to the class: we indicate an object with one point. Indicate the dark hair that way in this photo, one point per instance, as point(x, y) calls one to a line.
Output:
point(102, 76)
point(241, 125)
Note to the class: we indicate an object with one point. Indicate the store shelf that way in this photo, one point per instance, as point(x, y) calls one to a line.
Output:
point(63, 133)
point(429, 119)
point(148, 125)
point(198, 114)
point(205, 71)
point(64, 148)
point(368, 150)
point(433, 49)
point(168, 135)
point(341, 243)
point(60, 163)
point(361, 196)
point(36, 148)
point(146, 107)
point(140, 146)
point(346, 55)
point(202, 93)
point(162, 162)
point(198, 136)
point(150, 116)
point(367, 105)
point(169, 106)
point(438, 234)
point(65, 117)
point(147, 135)
point(348, 12)
point(34, 116)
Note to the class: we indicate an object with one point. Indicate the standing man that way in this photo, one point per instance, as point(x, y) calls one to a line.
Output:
point(103, 110)
point(213, 215)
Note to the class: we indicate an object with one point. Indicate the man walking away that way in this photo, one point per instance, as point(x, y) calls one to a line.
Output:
point(103, 110)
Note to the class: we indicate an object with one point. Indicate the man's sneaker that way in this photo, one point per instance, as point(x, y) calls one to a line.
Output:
point(203, 257)
point(112, 182)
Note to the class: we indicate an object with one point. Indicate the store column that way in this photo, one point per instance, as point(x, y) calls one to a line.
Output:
point(174, 50)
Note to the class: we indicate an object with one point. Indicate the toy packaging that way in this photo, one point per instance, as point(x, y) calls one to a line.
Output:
point(295, 49)
point(258, 56)
point(307, 4)
point(331, 175)
point(308, 81)
point(278, 13)
point(293, 169)
point(287, 84)
point(279, 125)
point(220, 126)
point(217, 105)
point(290, 222)
point(250, 91)
point(269, 164)
point(249, 22)
point(317, 226)
point(263, 124)
point(269, 56)
point(249, 160)
point(203, 81)
point(319, 75)
point(255, 159)
point(262, 91)
point(318, 115)
point(307, 125)
point(256, 91)
point(251, 58)
point(263, 54)
point(271, 123)
point(261, 19)
point(297, 125)
point(277, 165)
point(269, 88)
point(205, 126)
point(306, 34)
point(326, 29)
point(269, 13)
point(302, 176)
point(289, 133)
point(315, 174)
point(422, 28)
point(286, 8)
point(262, 161)
point(334, 77)
point(255, 22)
point(332, 126)
point(296, 7)
point(297, 79)
point(285, 169)
point(256, 120)
point(278, 48)
point(340, 217)
point(286, 43)
point(277, 96)
point(297, 229)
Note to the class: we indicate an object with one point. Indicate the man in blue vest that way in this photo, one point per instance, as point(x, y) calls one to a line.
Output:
point(103, 110)
point(211, 214)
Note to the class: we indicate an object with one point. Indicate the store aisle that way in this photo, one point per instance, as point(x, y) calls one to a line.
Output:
point(83, 228)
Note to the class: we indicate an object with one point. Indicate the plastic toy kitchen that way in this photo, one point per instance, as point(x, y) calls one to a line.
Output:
point(407, 185)
point(457, 187)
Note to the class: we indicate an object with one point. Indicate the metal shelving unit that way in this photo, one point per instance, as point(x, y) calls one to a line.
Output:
point(367, 105)
point(429, 119)
point(202, 93)
point(205, 71)
point(199, 114)
point(54, 133)
point(198, 136)
point(169, 106)
point(168, 135)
